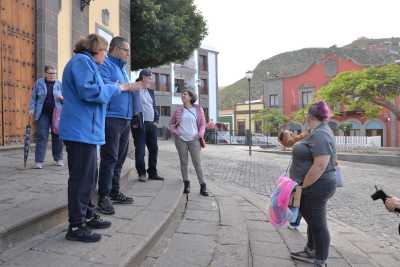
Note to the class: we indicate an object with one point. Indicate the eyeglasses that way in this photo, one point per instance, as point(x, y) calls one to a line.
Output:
point(125, 49)
point(51, 73)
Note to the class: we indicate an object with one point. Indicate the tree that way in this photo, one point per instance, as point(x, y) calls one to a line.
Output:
point(368, 90)
point(164, 31)
point(272, 119)
point(300, 115)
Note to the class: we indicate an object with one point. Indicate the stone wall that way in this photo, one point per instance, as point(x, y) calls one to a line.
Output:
point(125, 22)
point(46, 34)
point(80, 22)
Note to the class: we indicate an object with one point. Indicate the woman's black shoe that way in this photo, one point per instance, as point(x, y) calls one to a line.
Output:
point(82, 233)
point(120, 198)
point(203, 190)
point(186, 189)
point(105, 206)
point(96, 222)
point(304, 256)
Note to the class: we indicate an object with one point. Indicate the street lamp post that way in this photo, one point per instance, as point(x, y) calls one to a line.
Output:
point(249, 76)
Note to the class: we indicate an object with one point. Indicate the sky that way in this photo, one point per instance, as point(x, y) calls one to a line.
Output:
point(246, 32)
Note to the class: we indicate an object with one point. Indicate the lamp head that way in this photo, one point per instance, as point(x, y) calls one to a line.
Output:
point(249, 75)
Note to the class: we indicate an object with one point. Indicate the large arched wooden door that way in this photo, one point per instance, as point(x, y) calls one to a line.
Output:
point(17, 66)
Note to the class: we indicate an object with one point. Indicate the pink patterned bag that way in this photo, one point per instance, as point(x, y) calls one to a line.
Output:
point(279, 212)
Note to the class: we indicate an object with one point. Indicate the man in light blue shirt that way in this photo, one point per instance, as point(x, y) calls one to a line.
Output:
point(120, 111)
point(145, 131)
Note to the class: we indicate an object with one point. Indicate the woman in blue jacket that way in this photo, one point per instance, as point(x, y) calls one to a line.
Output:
point(46, 96)
point(82, 129)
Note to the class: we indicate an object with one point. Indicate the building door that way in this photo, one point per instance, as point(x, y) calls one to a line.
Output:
point(17, 67)
point(375, 132)
point(375, 128)
point(241, 128)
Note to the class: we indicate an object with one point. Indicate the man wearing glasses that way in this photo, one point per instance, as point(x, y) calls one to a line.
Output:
point(46, 96)
point(120, 111)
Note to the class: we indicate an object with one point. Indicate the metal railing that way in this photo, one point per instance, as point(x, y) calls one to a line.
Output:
point(343, 143)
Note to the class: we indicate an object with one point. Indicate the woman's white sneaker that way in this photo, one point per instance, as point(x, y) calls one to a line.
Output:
point(38, 165)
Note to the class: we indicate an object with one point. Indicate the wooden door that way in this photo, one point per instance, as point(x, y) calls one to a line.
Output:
point(17, 66)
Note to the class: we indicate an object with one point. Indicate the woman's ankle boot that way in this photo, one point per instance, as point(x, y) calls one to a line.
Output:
point(186, 189)
point(203, 190)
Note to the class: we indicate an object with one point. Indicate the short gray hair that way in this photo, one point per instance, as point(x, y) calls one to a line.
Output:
point(117, 41)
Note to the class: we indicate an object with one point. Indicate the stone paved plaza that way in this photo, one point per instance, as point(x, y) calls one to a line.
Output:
point(351, 204)
point(162, 228)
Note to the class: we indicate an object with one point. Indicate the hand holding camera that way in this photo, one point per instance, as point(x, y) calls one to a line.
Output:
point(391, 203)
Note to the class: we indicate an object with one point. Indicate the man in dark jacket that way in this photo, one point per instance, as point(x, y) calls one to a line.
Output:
point(144, 130)
point(120, 111)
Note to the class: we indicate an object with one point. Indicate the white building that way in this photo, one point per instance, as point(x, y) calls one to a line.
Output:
point(198, 73)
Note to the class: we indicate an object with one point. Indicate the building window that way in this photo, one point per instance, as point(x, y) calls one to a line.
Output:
point(203, 64)
point(258, 126)
point(165, 111)
point(179, 85)
point(162, 82)
point(273, 101)
point(330, 68)
point(307, 95)
point(104, 33)
point(203, 87)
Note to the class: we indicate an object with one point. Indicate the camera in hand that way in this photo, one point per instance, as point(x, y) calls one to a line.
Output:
point(380, 194)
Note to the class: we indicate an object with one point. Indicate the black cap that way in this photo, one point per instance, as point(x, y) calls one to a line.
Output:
point(144, 72)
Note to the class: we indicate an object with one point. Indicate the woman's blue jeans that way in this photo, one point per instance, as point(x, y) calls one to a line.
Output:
point(43, 126)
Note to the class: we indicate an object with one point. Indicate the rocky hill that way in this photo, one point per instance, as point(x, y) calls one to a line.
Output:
point(364, 51)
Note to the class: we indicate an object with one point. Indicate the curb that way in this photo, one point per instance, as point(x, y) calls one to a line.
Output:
point(141, 251)
point(386, 160)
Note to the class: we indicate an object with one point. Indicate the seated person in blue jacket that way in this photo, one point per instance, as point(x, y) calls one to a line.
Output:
point(120, 111)
point(82, 129)
point(46, 96)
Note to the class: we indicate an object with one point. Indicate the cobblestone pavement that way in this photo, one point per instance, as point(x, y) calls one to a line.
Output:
point(351, 204)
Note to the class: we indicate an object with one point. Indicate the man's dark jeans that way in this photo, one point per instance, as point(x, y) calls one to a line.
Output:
point(113, 154)
point(82, 166)
point(313, 209)
point(146, 136)
point(43, 125)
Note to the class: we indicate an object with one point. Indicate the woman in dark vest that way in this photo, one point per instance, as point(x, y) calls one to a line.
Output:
point(46, 96)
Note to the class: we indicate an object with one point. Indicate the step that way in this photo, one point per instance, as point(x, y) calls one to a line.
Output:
point(224, 229)
point(29, 218)
point(135, 228)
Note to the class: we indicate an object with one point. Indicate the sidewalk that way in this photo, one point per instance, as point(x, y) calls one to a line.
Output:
point(230, 228)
